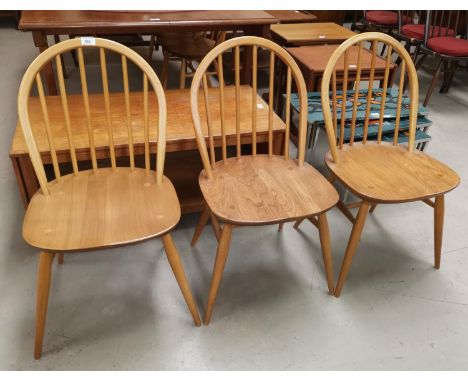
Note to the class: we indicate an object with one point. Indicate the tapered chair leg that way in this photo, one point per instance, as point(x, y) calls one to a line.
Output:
point(326, 250)
point(176, 265)
point(374, 206)
point(438, 228)
point(352, 245)
point(60, 258)
point(298, 223)
point(44, 272)
point(220, 262)
point(280, 227)
point(216, 227)
point(205, 215)
point(433, 83)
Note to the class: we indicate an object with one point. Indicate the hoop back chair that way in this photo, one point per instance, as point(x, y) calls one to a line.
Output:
point(255, 189)
point(378, 171)
point(440, 40)
point(105, 206)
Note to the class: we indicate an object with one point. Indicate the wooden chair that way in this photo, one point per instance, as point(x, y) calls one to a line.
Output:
point(379, 172)
point(185, 47)
point(256, 189)
point(440, 41)
point(102, 207)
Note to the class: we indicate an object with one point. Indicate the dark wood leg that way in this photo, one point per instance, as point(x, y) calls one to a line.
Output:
point(40, 40)
point(433, 83)
point(20, 181)
point(30, 182)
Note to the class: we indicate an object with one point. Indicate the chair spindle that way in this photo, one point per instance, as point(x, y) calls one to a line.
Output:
point(128, 112)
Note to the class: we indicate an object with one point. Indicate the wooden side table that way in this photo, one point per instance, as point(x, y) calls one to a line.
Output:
point(309, 34)
point(183, 163)
point(313, 59)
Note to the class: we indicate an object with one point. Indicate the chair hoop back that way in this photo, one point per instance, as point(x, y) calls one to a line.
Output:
point(32, 75)
point(406, 67)
point(215, 57)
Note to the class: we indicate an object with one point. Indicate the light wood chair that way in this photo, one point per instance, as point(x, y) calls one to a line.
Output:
point(101, 207)
point(186, 47)
point(256, 189)
point(379, 172)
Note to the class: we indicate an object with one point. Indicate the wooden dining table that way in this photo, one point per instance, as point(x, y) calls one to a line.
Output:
point(102, 23)
point(183, 163)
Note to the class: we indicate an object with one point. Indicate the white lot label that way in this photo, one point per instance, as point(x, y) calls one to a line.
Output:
point(352, 66)
point(259, 106)
point(155, 19)
point(322, 36)
point(88, 41)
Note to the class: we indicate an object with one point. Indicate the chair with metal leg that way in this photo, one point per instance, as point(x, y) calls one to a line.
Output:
point(256, 189)
point(102, 207)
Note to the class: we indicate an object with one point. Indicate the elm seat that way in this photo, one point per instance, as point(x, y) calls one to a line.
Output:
point(385, 173)
point(450, 46)
point(266, 189)
point(101, 200)
point(416, 31)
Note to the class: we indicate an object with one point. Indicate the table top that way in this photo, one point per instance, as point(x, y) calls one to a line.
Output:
point(310, 33)
point(179, 119)
point(67, 20)
point(315, 58)
point(292, 16)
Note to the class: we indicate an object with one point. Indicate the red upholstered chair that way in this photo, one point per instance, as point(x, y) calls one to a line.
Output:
point(382, 21)
point(441, 41)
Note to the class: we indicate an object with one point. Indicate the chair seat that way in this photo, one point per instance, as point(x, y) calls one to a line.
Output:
point(416, 31)
point(382, 17)
point(384, 173)
point(265, 189)
point(450, 46)
point(186, 45)
point(102, 209)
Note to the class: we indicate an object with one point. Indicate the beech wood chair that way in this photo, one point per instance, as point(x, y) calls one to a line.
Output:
point(256, 189)
point(379, 172)
point(102, 207)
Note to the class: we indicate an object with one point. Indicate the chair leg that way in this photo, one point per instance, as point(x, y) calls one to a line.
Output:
point(221, 257)
point(176, 265)
point(60, 258)
point(280, 227)
point(433, 83)
point(298, 223)
point(374, 206)
point(352, 245)
point(44, 272)
point(183, 69)
point(324, 233)
point(216, 227)
point(438, 229)
point(205, 215)
point(165, 68)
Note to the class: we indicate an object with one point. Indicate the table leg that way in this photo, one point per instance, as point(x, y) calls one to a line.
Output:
point(278, 143)
point(29, 180)
point(20, 181)
point(40, 40)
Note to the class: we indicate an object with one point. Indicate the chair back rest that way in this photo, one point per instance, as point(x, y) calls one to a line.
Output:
point(33, 75)
point(442, 24)
point(215, 56)
point(410, 17)
point(335, 133)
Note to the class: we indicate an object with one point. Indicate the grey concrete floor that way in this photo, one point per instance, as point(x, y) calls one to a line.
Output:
point(122, 309)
